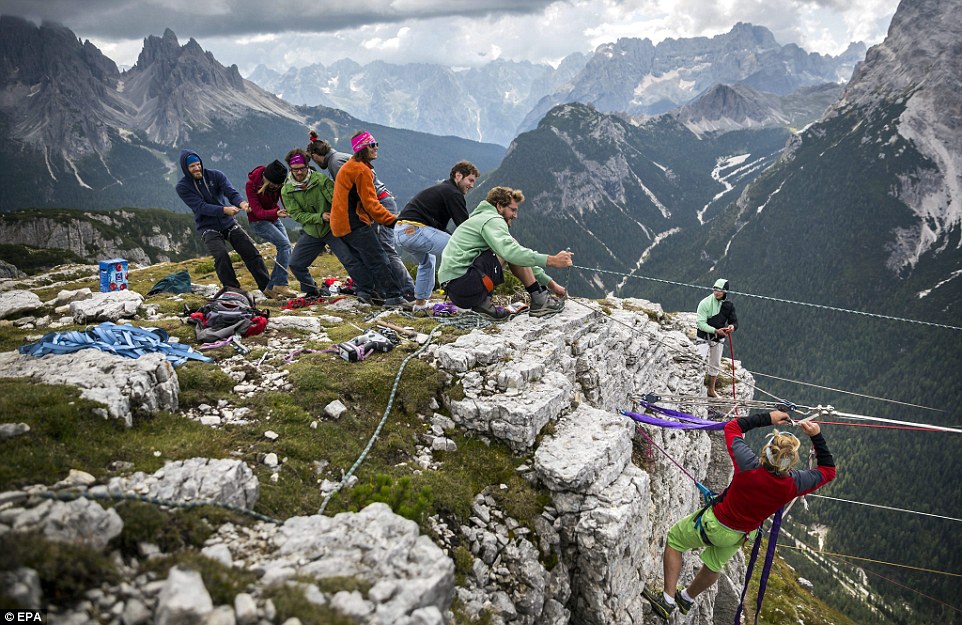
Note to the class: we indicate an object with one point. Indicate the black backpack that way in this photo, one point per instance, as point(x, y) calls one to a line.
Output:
point(230, 313)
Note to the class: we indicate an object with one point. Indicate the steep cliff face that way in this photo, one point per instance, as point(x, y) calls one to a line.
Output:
point(609, 515)
point(142, 237)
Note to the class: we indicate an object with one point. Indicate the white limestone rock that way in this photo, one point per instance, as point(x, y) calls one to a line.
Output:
point(106, 307)
point(225, 481)
point(15, 302)
point(126, 386)
point(80, 521)
point(184, 599)
point(283, 322)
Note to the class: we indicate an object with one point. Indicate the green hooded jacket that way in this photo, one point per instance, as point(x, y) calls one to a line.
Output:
point(484, 230)
point(308, 202)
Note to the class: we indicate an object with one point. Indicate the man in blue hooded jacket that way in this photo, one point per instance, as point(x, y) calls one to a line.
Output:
point(215, 201)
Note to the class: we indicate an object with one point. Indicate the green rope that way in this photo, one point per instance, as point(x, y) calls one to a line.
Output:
point(464, 321)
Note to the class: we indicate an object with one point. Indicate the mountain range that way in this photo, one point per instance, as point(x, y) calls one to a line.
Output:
point(79, 133)
point(498, 100)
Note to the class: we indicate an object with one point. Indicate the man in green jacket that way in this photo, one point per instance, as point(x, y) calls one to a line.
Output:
point(307, 196)
point(471, 264)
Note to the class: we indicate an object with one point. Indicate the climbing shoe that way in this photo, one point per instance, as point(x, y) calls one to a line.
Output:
point(683, 604)
point(489, 310)
point(658, 604)
point(543, 304)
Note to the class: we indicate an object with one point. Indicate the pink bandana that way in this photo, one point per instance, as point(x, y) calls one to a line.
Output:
point(361, 141)
point(297, 159)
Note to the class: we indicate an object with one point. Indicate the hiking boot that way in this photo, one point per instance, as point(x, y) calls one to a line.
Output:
point(658, 604)
point(398, 303)
point(284, 291)
point(422, 310)
point(270, 293)
point(683, 604)
point(543, 304)
point(489, 310)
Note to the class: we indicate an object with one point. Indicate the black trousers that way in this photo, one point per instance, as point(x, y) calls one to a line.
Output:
point(216, 242)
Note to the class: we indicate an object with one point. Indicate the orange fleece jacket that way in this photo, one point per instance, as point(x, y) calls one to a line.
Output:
point(354, 192)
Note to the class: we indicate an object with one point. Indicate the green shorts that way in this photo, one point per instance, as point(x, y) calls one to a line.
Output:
point(684, 536)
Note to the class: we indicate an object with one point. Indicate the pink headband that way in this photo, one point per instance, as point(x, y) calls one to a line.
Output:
point(361, 141)
point(297, 159)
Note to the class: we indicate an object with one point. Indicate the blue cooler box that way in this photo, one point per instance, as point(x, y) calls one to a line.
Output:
point(113, 275)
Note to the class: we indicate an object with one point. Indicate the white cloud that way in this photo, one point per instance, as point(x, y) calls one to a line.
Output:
point(452, 33)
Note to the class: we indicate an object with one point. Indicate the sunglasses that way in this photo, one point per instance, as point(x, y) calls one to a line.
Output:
point(372, 145)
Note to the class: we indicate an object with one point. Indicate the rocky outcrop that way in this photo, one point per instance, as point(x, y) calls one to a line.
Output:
point(609, 516)
point(125, 386)
point(412, 580)
point(226, 482)
point(80, 521)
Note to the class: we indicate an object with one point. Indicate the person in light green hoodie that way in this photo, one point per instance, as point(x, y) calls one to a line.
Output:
point(716, 322)
point(471, 264)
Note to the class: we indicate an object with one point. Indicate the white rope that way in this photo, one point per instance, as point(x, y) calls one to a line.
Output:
point(837, 390)
point(774, 299)
point(874, 505)
point(859, 417)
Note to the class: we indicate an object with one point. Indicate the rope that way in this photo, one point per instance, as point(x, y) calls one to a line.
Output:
point(775, 299)
point(731, 346)
point(166, 503)
point(874, 505)
point(902, 566)
point(909, 588)
point(464, 321)
point(836, 390)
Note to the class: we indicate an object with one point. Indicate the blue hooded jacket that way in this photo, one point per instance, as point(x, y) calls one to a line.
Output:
point(208, 196)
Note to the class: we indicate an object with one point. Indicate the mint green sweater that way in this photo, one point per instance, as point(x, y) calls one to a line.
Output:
point(484, 230)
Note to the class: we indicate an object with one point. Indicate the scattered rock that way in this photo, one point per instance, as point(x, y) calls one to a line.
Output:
point(184, 599)
point(106, 307)
point(9, 430)
point(335, 409)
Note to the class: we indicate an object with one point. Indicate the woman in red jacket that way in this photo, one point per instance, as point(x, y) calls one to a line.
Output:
point(758, 489)
point(263, 193)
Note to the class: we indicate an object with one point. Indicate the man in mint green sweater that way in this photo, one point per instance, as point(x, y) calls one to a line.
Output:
point(471, 264)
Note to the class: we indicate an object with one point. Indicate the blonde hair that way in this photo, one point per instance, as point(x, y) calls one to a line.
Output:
point(780, 454)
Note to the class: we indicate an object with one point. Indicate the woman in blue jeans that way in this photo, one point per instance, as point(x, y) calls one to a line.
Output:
point(420, 228)
point(263, 193)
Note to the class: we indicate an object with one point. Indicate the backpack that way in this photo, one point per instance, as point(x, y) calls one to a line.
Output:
point(230, 313)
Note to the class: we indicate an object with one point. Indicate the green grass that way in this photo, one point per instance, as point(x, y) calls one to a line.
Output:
point(66, 571)
point(785, 600)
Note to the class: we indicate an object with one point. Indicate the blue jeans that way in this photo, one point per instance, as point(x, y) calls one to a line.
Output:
point(386, 236)
point(375, 272)
point(425, 244)
point(274, 233)
point(308, 248)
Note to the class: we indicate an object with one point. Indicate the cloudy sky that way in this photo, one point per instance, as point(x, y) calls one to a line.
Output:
point(282, 34)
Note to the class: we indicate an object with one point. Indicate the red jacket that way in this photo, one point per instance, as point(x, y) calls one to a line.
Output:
point(755, 492)
point(263, 206)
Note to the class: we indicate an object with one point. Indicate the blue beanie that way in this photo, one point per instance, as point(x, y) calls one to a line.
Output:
point(190, 160)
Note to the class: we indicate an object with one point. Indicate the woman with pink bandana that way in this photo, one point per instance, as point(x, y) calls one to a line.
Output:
point(354, 208)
